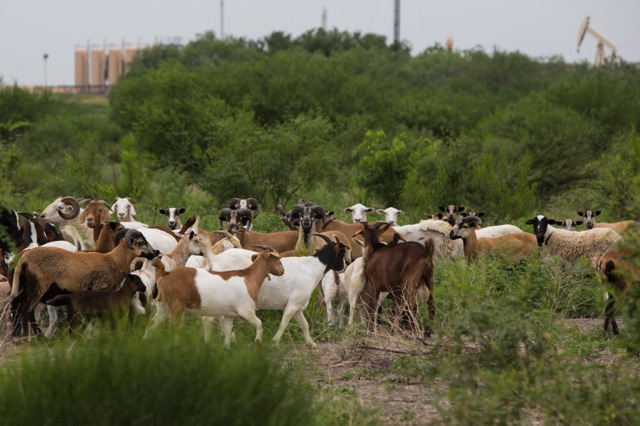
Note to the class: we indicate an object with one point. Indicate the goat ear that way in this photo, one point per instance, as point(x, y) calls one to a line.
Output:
point(459, 209)
point(254, 257)
point(369, 209)
point(348, 210)
point(442, 209)
point(579, 223)
point(162, 211)
point(553, 222)
point(480, 214)
point(580, 213)
point(380, 211)
point(181, 210)
point(400, 213)
point(530, 222)
point(463, 214)
point(596, 213)
point(191, 235)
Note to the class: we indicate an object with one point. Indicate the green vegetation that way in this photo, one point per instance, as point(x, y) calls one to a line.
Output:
point(339, 118)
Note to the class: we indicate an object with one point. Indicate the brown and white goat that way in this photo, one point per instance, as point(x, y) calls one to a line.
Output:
point(403, 270)
point(227, 294)
point(45, 272)
point(106, 305)
point(514, 246)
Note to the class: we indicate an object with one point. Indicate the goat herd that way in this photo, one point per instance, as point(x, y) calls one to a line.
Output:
point(74, 255)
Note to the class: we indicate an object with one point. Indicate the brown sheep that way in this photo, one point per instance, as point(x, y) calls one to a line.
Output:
point(514, 246)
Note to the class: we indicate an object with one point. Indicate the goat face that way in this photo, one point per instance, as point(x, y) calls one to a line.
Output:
point(541, 227)
point(589, 217)
point(124, 209)
point(359, 212)
point(97, 212)
point(390, 215)
point(172, 214)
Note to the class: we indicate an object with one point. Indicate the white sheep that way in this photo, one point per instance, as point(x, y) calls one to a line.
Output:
point(359, 212)
point(570, 245)
point(390, 215)
point(66, 211)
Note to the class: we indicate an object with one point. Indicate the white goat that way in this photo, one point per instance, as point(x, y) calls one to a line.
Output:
point(124, 210)
point(358, 212)
point(390, 215)
point(291, 291)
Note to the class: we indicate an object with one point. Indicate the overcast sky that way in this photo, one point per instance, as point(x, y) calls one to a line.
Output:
point(541, 28)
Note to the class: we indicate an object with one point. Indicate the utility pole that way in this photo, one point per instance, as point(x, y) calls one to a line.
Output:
point(396, 22)
point(221, 19)
point(45, 57)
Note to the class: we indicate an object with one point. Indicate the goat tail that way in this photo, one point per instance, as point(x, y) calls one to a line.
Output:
point(59, 300)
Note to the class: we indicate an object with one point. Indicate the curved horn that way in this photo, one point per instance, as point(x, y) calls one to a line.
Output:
point(225, 233)
point(322, 236)
point(26, 215)
point(105, 204)
point(70, 201)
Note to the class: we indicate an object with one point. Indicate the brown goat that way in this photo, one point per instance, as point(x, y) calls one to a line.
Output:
point(618, 268)
point(403, 270)
point(353, 229)
point(45, 272)
point(106, 305)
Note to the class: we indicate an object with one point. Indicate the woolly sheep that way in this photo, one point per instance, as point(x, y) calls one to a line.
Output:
point(570, 245)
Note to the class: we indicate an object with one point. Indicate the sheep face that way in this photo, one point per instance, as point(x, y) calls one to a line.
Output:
point(359, 212)
point(541, 228)
point(465, 227)
point(589, 217)
point(570, 224)
point(124, 210)
point(450, 213)
point(139, 245)
point(63, 208)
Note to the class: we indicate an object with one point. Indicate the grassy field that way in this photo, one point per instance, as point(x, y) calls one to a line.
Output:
point(515, 346)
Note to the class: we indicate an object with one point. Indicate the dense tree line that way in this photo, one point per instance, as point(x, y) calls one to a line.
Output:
point(339, 117)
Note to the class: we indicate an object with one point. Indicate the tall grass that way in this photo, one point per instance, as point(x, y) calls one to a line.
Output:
point(119, 378)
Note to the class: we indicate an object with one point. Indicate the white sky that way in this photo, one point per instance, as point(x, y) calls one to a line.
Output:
point(31, 28)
